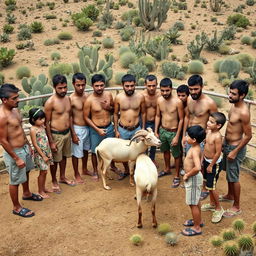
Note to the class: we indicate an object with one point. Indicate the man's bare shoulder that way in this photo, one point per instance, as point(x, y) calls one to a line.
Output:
point(208, 100)
point(50, 101)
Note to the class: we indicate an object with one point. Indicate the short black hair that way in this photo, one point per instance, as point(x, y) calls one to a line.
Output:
point(7, 89)
point(59, 79)
point(128, 78)
point(78, 76)
point(196, 132)
point(195, 80)
point(150, 78)
point(241, 85)
point(98, 78)
point(183, 88)
point(166, 82)
point(219, 117)
point(34, 114)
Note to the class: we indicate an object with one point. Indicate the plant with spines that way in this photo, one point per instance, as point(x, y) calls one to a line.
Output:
point(164, 228)
point(1, 78)
point(230, 66)
point(157, 48)
point(107, 17)
point(216, 241)
point(127, 58)
point(216, 5)
point(137, 44)
point(171, 238)
point(213, 44)
point(170, 69)
point(196, 67)
point(149, 62)
point(196, 46)
point(10, 18)
point(231, 249)
point(23, 71)
point(172, 36)
point(34, 84)
point(8, 29)
point(228, 234)
point(252, 72)
point(6, 56)
point(153, 14)
point(138, 70)
point(136, 239)
point(90, 63)
point(5, 38)
point(238, 225)
point(229, 32)
point(245, 244)
point(36, 27)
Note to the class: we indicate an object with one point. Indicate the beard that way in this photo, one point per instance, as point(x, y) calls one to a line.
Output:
point(233, 100)
point(129, 93)
point(166, 96)
point(196, 96)
point(62, 94)
point(99, 92)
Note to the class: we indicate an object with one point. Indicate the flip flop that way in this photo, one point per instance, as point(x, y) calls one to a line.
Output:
point(204, 195)
point(163, 173)
point(191, 232)
point(69, 183)
point(230, 213)
point(223, 199)
point(176, 182)
point(22, 213)
point(33, 197)
point(123, 176)
point(190, 223)
point(56, 189)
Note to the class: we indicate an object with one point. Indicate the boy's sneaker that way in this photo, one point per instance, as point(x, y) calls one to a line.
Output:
point(217, 215)
point(207, 207)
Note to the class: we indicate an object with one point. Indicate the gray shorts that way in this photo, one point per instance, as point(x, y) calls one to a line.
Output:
point(193, 189)
point(232, 168)
point(18, 175)
point(83, 133)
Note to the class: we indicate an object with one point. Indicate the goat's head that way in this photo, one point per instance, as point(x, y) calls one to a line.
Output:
point(147, 136)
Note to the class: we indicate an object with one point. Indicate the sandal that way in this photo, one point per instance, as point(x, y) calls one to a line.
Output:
point(33, 197)
point(23, 213)
point(163, 173)
point(123, 175)
point(190, 223)
point(190, 232)
point(176, 182)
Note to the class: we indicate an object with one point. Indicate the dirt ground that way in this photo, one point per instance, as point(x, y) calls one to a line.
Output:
point(88, 220)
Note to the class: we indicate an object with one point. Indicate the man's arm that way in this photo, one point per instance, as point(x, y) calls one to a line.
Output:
point(180, 110)
point(157, 118)
point(185, 126)
point(116, 112)
point(6, 145)
point(143, 112)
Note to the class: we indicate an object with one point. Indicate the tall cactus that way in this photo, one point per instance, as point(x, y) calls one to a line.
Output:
point(196, 46)
point(153, 14)
point(216, 5)
point(90, 64)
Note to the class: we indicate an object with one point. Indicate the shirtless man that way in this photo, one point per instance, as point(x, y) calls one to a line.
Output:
point(98, 108)
point(131, 107)
point(170, 114)
point(199, 108)
point(238, 134)
point(81, 136)
point(58, 123)
point(17, 149)
point(151, 95)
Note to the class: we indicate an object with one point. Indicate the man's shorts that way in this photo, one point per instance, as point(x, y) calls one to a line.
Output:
point(232, 168)
point(18, 175)
point(63, 142)
point(83, 133)
point(166, 138)
point(127, 134)
point(211, 178)
point(96, 139)
point(193, 188)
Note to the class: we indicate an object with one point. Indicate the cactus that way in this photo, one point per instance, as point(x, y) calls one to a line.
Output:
point(22, 103)
point(252, 72)
point(138, 70)
point(231, 249)
point(136, 239)
point(171, 238)
point(90, 64)
point(216, 241)
point(245, 243)
point(34, 84)
point(238, 225)
point(228, 234)
point(216, 5)
point(157, 48)
point(36, 102)
point(214, 43)
point(195, 67)
point(137, 44)
point(196, 46)
point(164, 228)
point(254, 228)
point(153, 14)
point(230, 66)
point(172, 36)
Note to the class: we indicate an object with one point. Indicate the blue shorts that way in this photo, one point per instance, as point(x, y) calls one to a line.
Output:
point(83, 133)
point(96, 139)
point(126, 134)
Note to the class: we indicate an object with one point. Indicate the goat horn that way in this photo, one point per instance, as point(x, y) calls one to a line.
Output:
point(140, 133)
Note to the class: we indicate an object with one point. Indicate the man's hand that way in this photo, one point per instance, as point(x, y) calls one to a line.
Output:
point(183, 142)
point(75, 139)
point(232, 155)
point(20, 163)
point(46, 159)
point(53, 147)
point(185, 177)
point(117, 134)
point(157, 135)
point(209, 169)
point(102, 132)
point(175, 141)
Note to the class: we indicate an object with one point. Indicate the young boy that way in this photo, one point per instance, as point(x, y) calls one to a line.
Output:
point(193, 179)
point(183, 93)
point(212, 159)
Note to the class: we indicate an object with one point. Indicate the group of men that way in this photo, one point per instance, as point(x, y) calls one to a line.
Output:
point(77, 123)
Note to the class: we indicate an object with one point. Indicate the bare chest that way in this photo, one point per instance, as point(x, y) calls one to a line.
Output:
point(150, 102)
point(197, 109)
point(126, 104)
point(61, 107)
point(234, 117)
point(168, 107)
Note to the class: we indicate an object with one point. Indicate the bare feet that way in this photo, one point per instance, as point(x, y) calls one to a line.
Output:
point(68, 182)
point(86, 172)
point(47, 190)
point(95, 177)
point(79, 180)
point(56, 188)
point(44, 195)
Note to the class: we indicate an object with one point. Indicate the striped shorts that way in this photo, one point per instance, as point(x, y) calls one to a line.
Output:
point(193, 188)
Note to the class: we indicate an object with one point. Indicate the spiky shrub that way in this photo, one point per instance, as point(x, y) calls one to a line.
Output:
point(119, 25)
point(170, 69)
point(238, 20)
point(126, 33)
point(55, 56)
point(254, 228)
point(5, 38)
point(129, 15)
point(230, 66)
point(245, 243)
point(53, 41)
point(118, 77)
point(1, 78)
point(24, 34)
point(254, 43)
point(83, 23)
point(231, 249)
point(228, 234)
point(65, 36)
point(195, 67)
point(76, 68)
point(226, 82)
point(250, 2)
point(245, 59)
point(216, 241)
point(149, 62)
point(136, 239)
point(127, 58)
point(50, 16)
point(171, 238)
point(60, 68)
point(238, 225)
point(97, 33)
point(181, 75)
point(138, 70)
point(37, 27)
point(158, 48)
point(6, 56)
point(124, 49)
point(108, 43)
point(179, 25)
point(23, 71)
point(216, 66)
point(246, 40)
point(8, 29)
point(10, 18)
point(136, 21)
point(172, 36)
point(91, 11)
point(196, 46)
point(10, 2)
point(164, 228)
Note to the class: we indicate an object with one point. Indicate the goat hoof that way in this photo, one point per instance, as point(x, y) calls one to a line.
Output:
point(107, 187)
point(139, 226)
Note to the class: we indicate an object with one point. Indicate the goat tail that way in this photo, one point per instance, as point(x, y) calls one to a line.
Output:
point(148, 187)
point(99, 158)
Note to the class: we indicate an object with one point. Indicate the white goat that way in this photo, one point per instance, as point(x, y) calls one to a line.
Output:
point(120, 150)
point(145, 177)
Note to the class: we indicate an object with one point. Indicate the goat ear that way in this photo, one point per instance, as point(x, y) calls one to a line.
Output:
point(149, 129)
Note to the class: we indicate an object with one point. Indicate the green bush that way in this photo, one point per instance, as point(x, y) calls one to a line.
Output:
point(8, 29)
point(224, 49)
point(124, 49)
point(83, 23)
point(181, 75)
point(245, 59)
point(126, 33)
point(55, 56)
point(136, 21)
point(36, 27)
point(195, 67)
point(129, 15)
point(108, 43)
point(10, 18)
point(238, 20)
point(216, 66)
point(246, 40)
point(60, 68)
point(23, 71)
point(253, 33)
point(179, 25)
point(170, 69)
point(97, 33)
point(6, 56)
point(118, 77)
point(53, 41)
point(65, 36)
point(138, 70)
point(76, 68)
point(254, 43)
point(4, 38)
point(10, 2)
point(127, 58)
point(230, 66)
point(149, 62)
point(50, 16)
point(24, 34)
point(119, 25)
point(91, 11)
